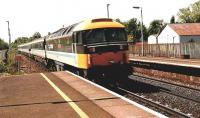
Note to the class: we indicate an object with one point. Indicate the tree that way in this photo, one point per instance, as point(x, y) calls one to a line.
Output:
point(155, 27)
point(118, 20)
point(3, 45)
point(138, 36)
point(36, 35)
point(172, 20)
point(132, 28)
point(20, 40)
point(185, 15)
point(196, 12)
point(190, 14)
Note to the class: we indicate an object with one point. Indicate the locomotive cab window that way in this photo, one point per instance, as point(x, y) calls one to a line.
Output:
point(104, 35)
point(94, 36)
point(113, 35)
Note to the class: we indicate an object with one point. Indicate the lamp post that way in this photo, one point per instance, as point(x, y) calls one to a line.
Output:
point(142, 37)
point(108, 10)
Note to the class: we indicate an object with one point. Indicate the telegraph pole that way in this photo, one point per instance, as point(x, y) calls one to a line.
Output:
point(9, 33)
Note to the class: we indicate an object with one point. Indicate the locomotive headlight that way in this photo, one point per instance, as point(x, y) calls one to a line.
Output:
point(92, 49)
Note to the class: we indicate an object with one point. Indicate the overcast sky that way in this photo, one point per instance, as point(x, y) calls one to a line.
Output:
point(29, 16)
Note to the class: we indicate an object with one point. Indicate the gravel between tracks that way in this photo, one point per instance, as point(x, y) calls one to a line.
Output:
point(31, 66)
point(152, 90)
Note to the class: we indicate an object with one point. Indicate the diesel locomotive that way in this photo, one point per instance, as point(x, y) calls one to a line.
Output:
point(95, 48)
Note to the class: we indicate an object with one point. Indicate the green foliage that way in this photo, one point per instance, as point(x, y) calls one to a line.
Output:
point(155, 27)
point(133, 29)
point(21, 40)
point(3, 45)
point(11, 61)
point(196, 12)
point(138, 33)
point(172, 20)
point(185, 16)
point(2, 66)
point(36, 35)
point(118, 20)
point(190, 14)
point(132, 26)
point(123, 23)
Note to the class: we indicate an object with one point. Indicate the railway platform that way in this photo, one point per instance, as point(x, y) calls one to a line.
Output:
point(175, 69)
point(191, 63)
point(63, 94)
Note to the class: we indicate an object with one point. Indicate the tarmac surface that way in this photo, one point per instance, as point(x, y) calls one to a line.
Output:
point(63, 95)
point(31, 96)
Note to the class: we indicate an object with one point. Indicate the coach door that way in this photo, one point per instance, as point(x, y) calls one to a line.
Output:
point(74, 50)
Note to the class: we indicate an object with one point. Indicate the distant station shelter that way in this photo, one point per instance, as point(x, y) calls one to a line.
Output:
point(180, 33)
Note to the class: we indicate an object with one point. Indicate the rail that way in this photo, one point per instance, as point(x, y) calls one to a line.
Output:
point(156, 105)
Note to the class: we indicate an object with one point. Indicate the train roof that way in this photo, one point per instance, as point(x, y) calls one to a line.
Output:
point(32, 42)
point(84, 25)
point(62, 32)
point(98, 23)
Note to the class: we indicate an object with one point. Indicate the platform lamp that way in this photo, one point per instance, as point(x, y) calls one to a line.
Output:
point(142, 37)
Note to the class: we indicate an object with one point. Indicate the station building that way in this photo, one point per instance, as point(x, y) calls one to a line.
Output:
point(180, 33)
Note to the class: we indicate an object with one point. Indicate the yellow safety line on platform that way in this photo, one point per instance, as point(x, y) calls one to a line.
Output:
point(72, 104)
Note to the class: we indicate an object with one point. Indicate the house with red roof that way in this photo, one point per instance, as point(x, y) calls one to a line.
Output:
point(180, 33)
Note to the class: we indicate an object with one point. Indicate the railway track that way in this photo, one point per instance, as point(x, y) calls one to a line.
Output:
point(150, 78)
point(184, 98)
point(181, 96)
point(164, 109)
point(171, 92)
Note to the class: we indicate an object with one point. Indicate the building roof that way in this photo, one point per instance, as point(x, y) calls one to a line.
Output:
point(186, 29)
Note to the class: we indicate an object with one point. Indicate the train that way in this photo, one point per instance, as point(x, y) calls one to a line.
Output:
point(95, 48)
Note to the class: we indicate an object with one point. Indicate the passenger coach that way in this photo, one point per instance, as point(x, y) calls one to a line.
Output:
point(94, 48)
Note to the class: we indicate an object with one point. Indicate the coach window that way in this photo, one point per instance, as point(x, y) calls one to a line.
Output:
point(41, 45)
point(79, 38)
point(74, 37)
point(70, 41)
